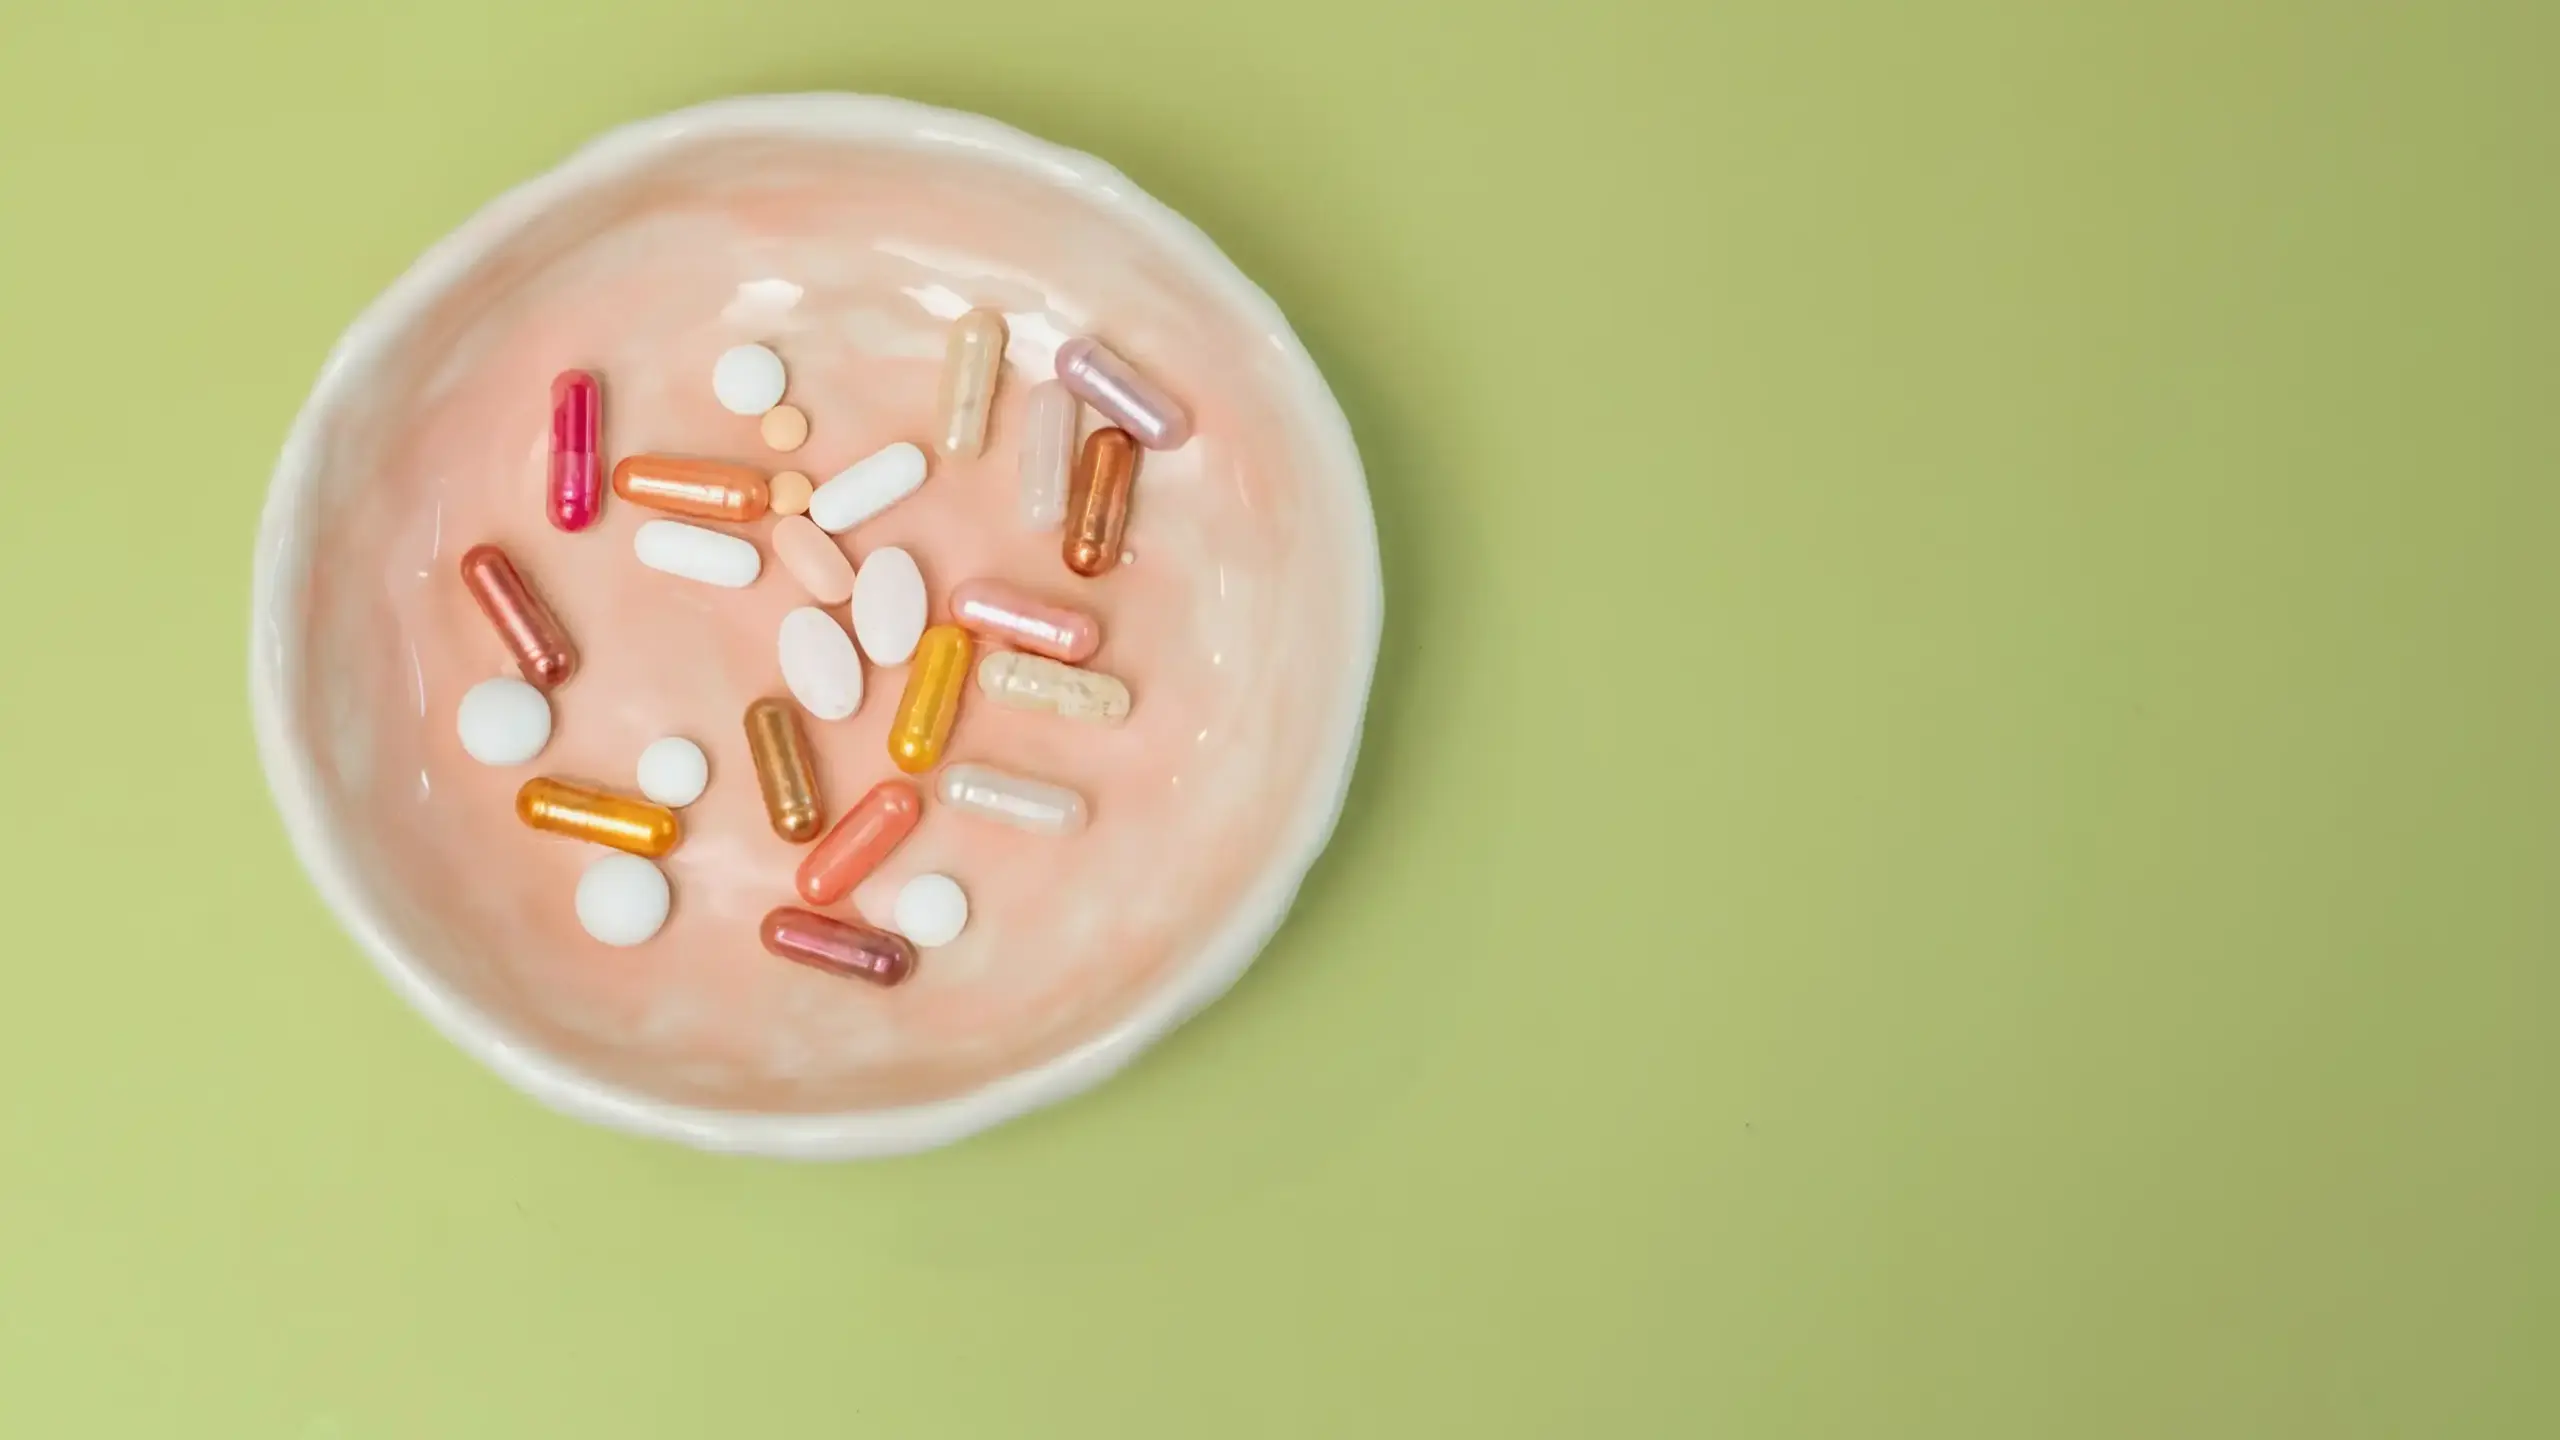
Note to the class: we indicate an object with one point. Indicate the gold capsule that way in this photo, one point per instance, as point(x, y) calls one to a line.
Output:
point(584, 813)
point(1098, 502)
point(935, 678)
point(784, 771)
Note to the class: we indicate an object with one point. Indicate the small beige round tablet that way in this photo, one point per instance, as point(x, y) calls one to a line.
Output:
point(790, 491)
point(785, 428)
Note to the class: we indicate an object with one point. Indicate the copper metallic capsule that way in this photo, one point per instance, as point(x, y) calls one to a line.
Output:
point(582, 812)
point(697, 489)
point(823, 943)
point(1098, 501)
point(533, 635)
point(936, 675)
point(784, 771)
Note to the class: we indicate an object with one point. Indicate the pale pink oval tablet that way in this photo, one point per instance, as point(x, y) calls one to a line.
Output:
point(814, 559)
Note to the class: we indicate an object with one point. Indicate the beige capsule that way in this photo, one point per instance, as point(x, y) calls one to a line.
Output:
point(1036, 682)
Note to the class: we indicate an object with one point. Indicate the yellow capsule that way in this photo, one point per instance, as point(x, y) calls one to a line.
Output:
point(783, 770)
point(934, 681)
point(584, 813)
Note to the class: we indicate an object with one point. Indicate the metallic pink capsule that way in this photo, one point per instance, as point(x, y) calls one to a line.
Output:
point(993, 610)
point(576, 496)
point(1113, 386)
point(822, 943)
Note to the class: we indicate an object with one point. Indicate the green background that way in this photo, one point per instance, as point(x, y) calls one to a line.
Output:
point(1957, 838)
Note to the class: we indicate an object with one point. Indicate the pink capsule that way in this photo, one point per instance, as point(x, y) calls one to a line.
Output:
point(996, 611)
point(837, 947)
point(1113, 386)
point(577, 473)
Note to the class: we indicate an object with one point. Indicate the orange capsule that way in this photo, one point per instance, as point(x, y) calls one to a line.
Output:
point(784, 771)
point(584, 813)
point(935, 678)
point(535, 636)
point(860, 841)
point(698, 489)
point(825, 943)
point(1098, 501)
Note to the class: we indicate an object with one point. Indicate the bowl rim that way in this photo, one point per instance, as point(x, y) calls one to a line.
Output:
point(279, 596)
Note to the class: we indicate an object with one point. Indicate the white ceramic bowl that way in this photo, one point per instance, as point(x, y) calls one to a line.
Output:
point(845, 230)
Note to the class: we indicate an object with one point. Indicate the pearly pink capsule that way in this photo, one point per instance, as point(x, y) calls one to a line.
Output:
point(993, 610)
point(1113, 386)
point(823, 942)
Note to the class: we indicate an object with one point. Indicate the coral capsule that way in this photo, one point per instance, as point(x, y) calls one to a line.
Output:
point(533, 635)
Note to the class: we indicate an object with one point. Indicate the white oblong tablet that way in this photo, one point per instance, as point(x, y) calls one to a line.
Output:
point(866, 487)
point(503, 721)
point(932, 910)
point(698, 554)
point(622, 899)
point(1017, 800)
point(819, 664)
point(748, 379)
point(888, 605)
point(674, 772)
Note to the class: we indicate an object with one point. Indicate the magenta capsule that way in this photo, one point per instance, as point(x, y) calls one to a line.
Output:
point(577, 471)
point(993, 610)
point(1113, 386)
point(837, 947)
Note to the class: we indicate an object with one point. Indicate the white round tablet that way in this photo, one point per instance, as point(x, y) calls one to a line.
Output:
point(931, 910)
point(748, 379)
point(674, 771)
point(503, 722)
point(622, 899)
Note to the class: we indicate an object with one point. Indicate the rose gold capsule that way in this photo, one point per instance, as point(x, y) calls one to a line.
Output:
point(535, 636)
point(784, 772)
point(582, 812)
point(1111, 385)
point(823, 943)
point(996, 611)
point(697, 489)
point(1098, 503)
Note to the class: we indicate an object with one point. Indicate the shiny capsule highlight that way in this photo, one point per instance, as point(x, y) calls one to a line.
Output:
point(576, 494)
point(582, 812)
point(858, 842)
point(1016, 800)
point(1098, 502)
point(935, 677)
point(822, 942)
point(785, 775)
point(695, 489)
point(531, 633)
point(995, 611)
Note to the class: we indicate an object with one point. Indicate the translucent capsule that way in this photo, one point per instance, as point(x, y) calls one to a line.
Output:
point(1113, 386)
point(784, 772)
point(576, 495)
point(533, 635)
point(582, 812)
point(1036, 682)
point(1098, 504)
point(970, 364)
point(935, 678)
point(824, 943)
point(1027, 804)
point(859, 842)
point(1048, 451)
point(996, 611)
point(695, 489)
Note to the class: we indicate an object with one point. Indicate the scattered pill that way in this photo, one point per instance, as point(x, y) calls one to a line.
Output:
point(1036, 682)
point(622, 900)
point(867, 487)
point(1048, 452)
point(674, 771)
point(922, 725)
point(1102, 379)
point(785, 428)
point(784, 774)
point(582, 812)
point(824, 943)
point(1017, 800)
point(970, 364)
point(859, 841)
point(576, 496)
point(819, 664)
point(932, 910)
point(533, 635)
point(789, 493)
point(814, 559)
point(748, 379)
point(993, 610)
point(503, 722)
point(694, 553)
point(888, 605)
point(1098, 502)
point(695, 489)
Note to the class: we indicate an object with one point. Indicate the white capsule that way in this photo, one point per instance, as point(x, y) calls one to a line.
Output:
point(674, 772)
point(503, 721)
point(622, 899)
point(1048, 450)
point(1034, 805)
point(748, 379)
point(867, 487)
point(819, 664)
point(698, 554)
point(931, 910)
point(888, 605)
point(1036, 682)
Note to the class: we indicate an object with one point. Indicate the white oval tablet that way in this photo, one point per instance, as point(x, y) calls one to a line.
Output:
point(888, 605)
point(698, 554)
point(503, 722)
point(622, 899)
point(674, 772)
point(867, 487)
point(748, 379)
point(931, 910)
point(819, 664)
